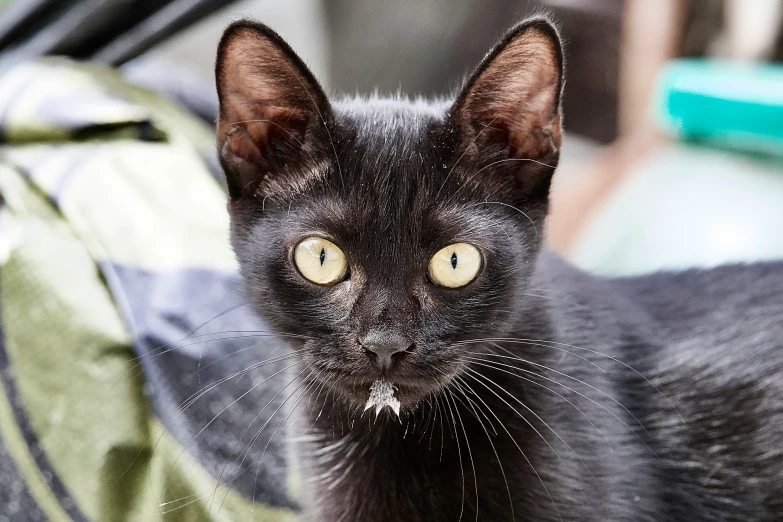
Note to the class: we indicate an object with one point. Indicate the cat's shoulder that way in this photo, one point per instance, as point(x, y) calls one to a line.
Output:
point(731, 312)
point(733, 300)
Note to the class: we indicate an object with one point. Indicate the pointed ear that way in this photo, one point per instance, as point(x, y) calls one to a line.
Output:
point(511, 104)
point(272, 112)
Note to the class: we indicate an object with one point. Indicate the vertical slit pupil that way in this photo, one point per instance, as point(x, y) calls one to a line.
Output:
point(322, 256)
point(454, 260)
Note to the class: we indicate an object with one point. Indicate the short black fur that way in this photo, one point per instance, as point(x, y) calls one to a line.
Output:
point(536, 392)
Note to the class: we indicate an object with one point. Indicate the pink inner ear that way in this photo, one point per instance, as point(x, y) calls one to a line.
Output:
point(262, 122)
point(264, 96)
point(517, 96)
point(270, 105)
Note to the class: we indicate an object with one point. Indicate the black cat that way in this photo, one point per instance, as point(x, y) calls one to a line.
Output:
point(401, 240)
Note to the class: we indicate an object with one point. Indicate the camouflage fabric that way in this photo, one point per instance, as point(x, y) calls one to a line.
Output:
point(131, 387)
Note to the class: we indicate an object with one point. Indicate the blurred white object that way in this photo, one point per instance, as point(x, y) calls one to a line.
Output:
point(752, 27)
point(686, 206)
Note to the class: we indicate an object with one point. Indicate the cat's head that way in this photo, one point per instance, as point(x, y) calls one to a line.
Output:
point(384, 233)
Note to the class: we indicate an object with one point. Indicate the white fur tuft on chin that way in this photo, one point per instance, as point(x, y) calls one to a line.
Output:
point(381, 395)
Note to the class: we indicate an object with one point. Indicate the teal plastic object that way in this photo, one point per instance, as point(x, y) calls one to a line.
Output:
point(731, 105)
point(699, 204)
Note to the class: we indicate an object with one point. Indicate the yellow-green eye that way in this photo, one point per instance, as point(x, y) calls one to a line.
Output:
point(455, 266)
point(320, 261)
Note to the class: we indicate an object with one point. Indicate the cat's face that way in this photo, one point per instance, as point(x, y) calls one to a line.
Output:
point(385, 233)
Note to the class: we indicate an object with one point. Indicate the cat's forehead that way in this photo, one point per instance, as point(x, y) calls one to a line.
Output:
point(389, 146)
point(390, 124)
point(390, 167)
point(391, 209)
point(368, 112)
point(392, 225)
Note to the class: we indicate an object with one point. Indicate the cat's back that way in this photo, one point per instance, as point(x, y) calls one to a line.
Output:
point(695, 360)
point(716, 355)
point(733, 305)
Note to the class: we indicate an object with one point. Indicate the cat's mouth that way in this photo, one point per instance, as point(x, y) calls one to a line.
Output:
point(402, 386)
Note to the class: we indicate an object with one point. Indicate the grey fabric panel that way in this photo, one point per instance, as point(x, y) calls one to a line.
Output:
point(163, 309)
point(16, 504)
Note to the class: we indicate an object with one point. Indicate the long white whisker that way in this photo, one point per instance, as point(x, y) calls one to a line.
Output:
point(610, 357)
point(473, 406)
point(467, 445)
point(499, 367)
point(514, 441)
point(459, 456)
point(583, 383)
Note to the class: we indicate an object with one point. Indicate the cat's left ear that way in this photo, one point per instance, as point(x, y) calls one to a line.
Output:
point(273, 113)
point(512, 101)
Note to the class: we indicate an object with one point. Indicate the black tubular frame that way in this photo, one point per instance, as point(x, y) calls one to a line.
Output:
point(108, 31)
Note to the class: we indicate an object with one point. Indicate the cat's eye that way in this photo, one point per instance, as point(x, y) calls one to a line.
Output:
point(455, 266)
point(320, 261)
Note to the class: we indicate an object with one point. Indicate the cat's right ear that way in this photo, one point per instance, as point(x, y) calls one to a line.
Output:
point(510, 106)
point(272, 114)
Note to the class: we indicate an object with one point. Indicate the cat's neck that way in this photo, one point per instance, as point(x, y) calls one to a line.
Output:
point(381, 467)
point(493, 412)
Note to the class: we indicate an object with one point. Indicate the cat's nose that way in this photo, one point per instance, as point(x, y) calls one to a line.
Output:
point(385, 348)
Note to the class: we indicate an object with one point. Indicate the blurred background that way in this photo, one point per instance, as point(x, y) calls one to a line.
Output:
point(640, 187)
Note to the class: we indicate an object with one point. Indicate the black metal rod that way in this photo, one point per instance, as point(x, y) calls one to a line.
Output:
point(18, 18)
point(173, 18)
point(65, 32)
